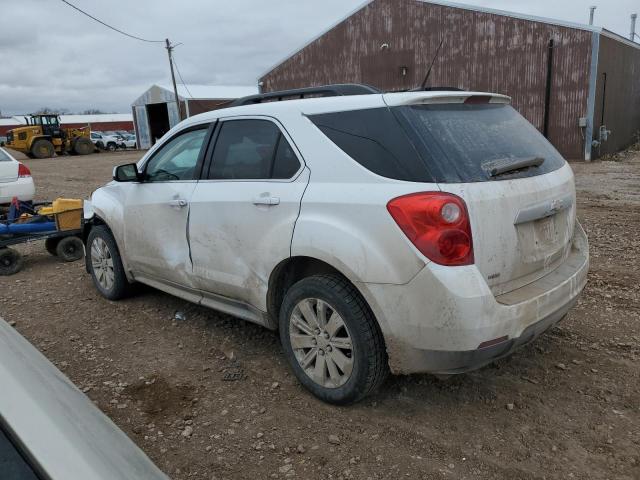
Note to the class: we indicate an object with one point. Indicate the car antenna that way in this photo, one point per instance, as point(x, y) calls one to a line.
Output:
point(435, 57)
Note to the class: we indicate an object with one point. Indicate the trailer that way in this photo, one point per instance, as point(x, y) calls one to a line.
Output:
point(58, 224)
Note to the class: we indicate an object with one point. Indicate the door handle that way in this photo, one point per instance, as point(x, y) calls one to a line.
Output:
point(266, 200)
point(178, 203)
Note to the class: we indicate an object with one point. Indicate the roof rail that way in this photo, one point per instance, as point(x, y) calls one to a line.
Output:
point(337, 90)
point(438, 89)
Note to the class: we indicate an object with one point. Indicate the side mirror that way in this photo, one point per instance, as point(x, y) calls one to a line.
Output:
point(126, 173)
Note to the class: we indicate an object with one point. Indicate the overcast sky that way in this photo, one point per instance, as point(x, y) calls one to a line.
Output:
point(53, 56)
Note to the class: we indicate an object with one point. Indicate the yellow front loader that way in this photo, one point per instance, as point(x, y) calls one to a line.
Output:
point(43, 137)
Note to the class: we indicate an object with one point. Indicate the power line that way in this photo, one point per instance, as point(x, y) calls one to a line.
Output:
point(180, 75)
point(109, 26)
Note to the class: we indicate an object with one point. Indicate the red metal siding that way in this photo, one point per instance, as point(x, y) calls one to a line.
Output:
point(481, 51)
point(103, 126)
point(621, 63)
point(98, 126)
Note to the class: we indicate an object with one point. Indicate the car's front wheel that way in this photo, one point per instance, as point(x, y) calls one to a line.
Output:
point(332, 340)
point(105, 265)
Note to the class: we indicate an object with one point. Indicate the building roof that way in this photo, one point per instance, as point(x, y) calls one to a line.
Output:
point(67, 119)
point(522, 16)
point(212, 92)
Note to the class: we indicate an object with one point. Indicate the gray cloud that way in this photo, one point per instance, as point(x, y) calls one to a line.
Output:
point(51, 55)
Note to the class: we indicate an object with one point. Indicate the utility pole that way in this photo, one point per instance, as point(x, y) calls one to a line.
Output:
point(169, 48)
point(632, 35)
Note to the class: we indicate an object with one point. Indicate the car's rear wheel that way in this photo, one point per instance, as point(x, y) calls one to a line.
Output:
point(105, 265)
point(111, 146)
point(332, 340)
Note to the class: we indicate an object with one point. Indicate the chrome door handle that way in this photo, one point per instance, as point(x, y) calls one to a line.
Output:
point(178, 203)
point(266, 201)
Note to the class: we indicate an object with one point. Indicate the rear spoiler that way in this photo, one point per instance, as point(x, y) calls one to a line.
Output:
point(443, 97)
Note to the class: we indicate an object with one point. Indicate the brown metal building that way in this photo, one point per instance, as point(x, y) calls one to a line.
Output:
point(573, 82)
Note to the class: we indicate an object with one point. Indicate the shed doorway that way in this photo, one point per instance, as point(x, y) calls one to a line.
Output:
point(158, 116)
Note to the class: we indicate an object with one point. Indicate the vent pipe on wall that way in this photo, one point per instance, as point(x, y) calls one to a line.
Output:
point(592, 13)
point(632, 35)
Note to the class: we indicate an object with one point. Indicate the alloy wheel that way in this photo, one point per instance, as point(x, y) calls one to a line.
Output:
point(321, 342)
point(102, 263)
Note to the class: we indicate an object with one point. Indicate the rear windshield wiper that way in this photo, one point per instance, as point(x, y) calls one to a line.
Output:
point(505, 165)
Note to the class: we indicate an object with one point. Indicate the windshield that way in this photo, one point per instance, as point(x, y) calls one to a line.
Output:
point(463, 142)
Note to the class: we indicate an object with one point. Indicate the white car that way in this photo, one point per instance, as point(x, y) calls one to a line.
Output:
point(15, 179)
point(430, 231)
point(102, 141)
point(127, 141)
point(50, 430)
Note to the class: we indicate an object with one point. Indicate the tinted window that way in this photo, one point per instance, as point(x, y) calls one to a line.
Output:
point(4, 157)
point(176, 159)
point(374, 139)
point(285, 164)
point(251, 150)
point(446, 143)
point(12, 465)
point(461, 142)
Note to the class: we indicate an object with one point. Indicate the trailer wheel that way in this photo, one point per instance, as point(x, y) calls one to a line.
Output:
point(70, 249)
point(10, 262)
point(83, 146)
point(42, 148)
point(51, 245)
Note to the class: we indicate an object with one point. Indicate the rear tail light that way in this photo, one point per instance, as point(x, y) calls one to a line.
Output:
point(23, 171)
point(437, 224)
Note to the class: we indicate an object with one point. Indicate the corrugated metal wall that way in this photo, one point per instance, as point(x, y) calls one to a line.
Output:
point(481, 51)
point(621, 64)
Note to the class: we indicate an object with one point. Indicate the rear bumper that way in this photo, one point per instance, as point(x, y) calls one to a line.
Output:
point(437, 322)
point(451, 362)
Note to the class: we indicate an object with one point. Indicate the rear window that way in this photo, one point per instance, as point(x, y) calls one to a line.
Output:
point(446, 143)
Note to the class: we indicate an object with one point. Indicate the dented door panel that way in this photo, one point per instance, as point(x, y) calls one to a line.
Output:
point(155, 233)
point(237, 239)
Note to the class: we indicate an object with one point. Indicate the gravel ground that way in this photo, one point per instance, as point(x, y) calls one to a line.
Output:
point(567, 406)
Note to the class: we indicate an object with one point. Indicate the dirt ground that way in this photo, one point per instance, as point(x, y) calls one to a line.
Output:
point(567, 406)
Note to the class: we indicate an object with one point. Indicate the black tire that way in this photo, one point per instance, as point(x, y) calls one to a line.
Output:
point(42, 148)
point(10, 261)
point(51, 245)
point(121, 288)
point(370, 364)
point(83, 146)
point(111, 146)
point(100, 145)
point(70, 249)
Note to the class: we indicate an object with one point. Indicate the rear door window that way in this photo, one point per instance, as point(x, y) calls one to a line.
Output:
point(252, 150)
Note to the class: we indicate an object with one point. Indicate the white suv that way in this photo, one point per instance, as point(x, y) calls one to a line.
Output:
point(429, 231)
